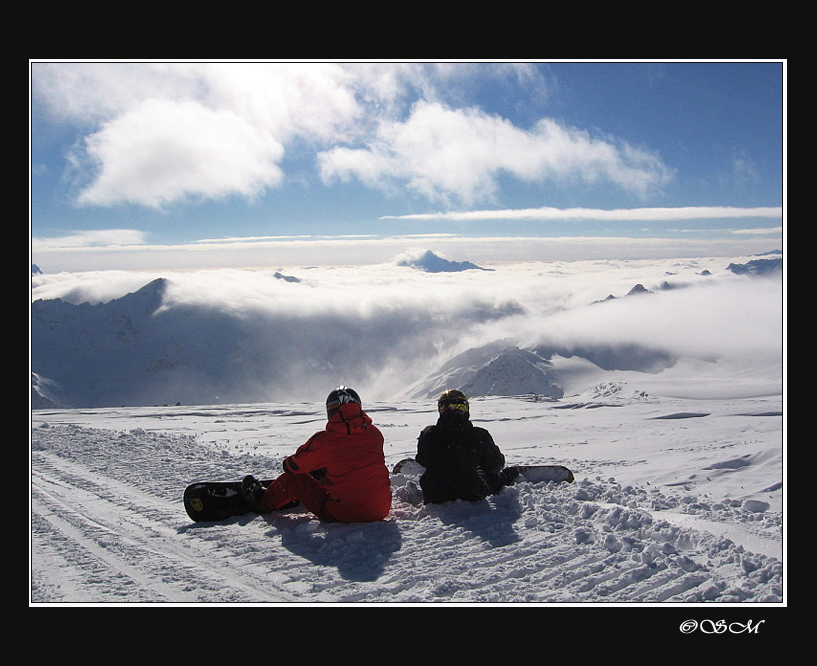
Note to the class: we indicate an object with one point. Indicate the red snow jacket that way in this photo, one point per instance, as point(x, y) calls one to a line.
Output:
point(348, 459)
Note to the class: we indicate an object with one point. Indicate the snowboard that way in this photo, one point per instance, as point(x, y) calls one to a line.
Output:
point(216, 500)
point(207, 501)
point(531, 473)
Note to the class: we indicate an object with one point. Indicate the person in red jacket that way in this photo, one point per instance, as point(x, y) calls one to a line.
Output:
point(339, 474)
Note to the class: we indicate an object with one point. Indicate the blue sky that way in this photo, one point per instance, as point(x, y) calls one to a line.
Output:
point(192, 164)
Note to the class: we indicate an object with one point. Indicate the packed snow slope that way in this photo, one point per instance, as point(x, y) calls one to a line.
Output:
point(676, 500)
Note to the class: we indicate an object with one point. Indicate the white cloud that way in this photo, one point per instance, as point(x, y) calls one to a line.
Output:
point(161, 133)
point(770, 231)
point(708, 320)
point(164, 151)
point(157, 133)
point(124, 250)
point(458, 155)
point(654, 214)
point(108, 238)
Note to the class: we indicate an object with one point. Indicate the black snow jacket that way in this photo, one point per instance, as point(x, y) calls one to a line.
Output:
point(461, 460)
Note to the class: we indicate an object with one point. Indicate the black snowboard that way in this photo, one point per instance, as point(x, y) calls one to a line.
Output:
point(216, 500)
point(531, 473)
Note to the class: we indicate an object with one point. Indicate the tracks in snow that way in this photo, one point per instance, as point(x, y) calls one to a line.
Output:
point(95, 539)
point(108, 526)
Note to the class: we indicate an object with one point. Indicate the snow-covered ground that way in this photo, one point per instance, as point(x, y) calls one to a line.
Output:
point(678, 446)
point(675, 500)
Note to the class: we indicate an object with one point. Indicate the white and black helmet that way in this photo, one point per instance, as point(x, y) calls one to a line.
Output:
point(341, 396)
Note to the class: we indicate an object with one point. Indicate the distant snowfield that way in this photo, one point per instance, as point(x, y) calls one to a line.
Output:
point(679, 495)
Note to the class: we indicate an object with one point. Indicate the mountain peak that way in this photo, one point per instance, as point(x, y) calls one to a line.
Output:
point(147, 299)
point(433, 263)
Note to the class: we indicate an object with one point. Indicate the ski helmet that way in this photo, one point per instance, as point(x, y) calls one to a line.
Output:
point(340, 396)
point(453, 399)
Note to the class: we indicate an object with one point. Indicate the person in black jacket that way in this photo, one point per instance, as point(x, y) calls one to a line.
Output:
point(461, 461)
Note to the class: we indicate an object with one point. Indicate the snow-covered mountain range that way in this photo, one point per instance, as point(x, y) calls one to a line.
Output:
point(164, 343)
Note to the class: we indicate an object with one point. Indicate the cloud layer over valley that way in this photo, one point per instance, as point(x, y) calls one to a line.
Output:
point(223, 336)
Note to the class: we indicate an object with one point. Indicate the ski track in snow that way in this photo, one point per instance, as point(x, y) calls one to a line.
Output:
point(108, 526)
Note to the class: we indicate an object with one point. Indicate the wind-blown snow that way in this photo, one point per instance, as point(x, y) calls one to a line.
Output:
point(676, 439)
